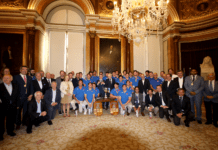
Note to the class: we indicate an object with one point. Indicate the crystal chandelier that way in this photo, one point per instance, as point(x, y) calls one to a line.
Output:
point(137, 18)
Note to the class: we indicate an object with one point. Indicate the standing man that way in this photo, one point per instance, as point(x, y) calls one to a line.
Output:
point(42, 74)
point(32, 74)
point(211, 99)
point(9, 97)
point(100, 85)
point(169, 86)
point(194, 86)
point(70, 75)
point(52, 99)
point(181, 107)
point(39, 84)
point(162, 101)
point(161, 76)
point(48, 79)
point(106, 76)
point(154, 82)
point(170, 71)
point(144, 85)
point(135, 79)
point(121, 82)
point(147, 74)
point(25, 86)
point(59, 80)
point(180, 80)
point(95, 78)
point(87, 81)
point(125, 101)
point(109, 84)
point(76, 80)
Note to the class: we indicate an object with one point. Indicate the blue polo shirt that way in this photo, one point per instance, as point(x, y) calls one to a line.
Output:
point(116, 79)
point(96, 92)
point(130, 89)
point(155, 83)
point(162, 79)
point(94, 79)
point(105, 78)
point(121, 84)
point(79, 93)
point(124, 77)
point(89, 94)
point(135, 81)
point(125, 96)
point(86, 82)
point(147, 77)
point(115, 92)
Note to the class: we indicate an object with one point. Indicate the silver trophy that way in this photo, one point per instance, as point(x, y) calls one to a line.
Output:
point(105, 91)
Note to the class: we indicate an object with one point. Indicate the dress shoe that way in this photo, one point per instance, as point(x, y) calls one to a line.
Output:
point(143, 114)
point(1, 138)
point(168, 119)
point(29, 131)
point(12, 134)
point(193, 120)
point(128, 114)
point(17, 127)
point(187, 125)
point(171, 116)
point(50, 123)
point(208, 122)
point(60, 113)
point(215, 125)
point(199, 121)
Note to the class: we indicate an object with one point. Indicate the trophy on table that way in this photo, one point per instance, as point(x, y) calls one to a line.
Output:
point(105, 91)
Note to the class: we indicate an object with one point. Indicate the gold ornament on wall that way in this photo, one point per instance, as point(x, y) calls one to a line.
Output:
point(12, 3)
point(190, 9)
point(106, 7)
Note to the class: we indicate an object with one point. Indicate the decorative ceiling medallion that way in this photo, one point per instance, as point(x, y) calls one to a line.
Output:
point(202, 5)
point(106, 7)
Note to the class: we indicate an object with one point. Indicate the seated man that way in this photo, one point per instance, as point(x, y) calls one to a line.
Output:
point(89, 97)
point(115, 92)
point(182, 107)
point(150, 103)
point(137, 102)
point(125, 101)
point(37, 111)
point(78, 96)
point(52, 99)
point(162, 101)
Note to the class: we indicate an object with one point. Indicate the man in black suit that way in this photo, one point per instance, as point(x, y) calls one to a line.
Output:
point(144, 84)
point(76, 81)
point(150, 102)
point(52, 99)
point(180, 80)
point(48, 80)
point(169, 86)
point(25, 86)
point(162, 101)
point(7, 57)
point(37, 111)
point(39, 84)
point(9, 96)
point(181, 107)
point(109, 84)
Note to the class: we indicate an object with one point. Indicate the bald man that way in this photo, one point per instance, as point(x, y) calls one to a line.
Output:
point(9, 95)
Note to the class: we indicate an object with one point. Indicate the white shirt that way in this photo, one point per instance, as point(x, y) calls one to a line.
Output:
point(38, 107)
point(180, 82)
point(174, 76)
point(49, 81)
point(144, 96)
point(192, 77)
point(40, 84)
point(163, 104)
point(150, 98)
point(23, 77)
point(9, 88)
point(168, 83)
point(53, 96)
point(143, 81)
point(213, 83)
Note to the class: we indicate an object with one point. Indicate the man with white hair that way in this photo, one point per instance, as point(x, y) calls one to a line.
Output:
point(37, 111)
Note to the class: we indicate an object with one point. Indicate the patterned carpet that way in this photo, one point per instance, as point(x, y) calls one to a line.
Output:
point(113, 133)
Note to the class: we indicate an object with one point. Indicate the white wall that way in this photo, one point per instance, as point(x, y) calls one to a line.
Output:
point(148, 54)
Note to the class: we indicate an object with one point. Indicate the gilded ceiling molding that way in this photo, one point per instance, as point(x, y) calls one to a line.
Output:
point(173, 13)
point(40, 5)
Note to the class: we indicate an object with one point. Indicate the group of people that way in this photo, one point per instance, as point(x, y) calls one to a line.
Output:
point(37, 96)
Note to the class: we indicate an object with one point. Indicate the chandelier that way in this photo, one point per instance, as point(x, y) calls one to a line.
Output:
point(137, 18)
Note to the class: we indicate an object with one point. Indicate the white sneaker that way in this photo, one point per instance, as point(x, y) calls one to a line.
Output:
point(137, 114)
point(85, 111)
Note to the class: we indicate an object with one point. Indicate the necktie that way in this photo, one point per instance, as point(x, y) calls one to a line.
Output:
point(24, 78)
point(111, 81)
point(49, 82)
point(161, 96)
point(211, 86)
point(180, 100)
point(193, 78)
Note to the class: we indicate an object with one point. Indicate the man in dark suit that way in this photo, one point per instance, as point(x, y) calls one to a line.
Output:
point(194, 85)
point(137, 102)
point(180, 80)
point(39, 84)
point(100, 85)
point(52, 98)
point(9, 96)
point(76, 81)
point(169, 86)
point(109, 84)
point(58, 81)
point(25, 86)
point(150, 102)
point(48, 80)
point(37, 112)
point(211, 99)
point(7, 57)
point(181, 107)
point(163, 102)
point(144, 84)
